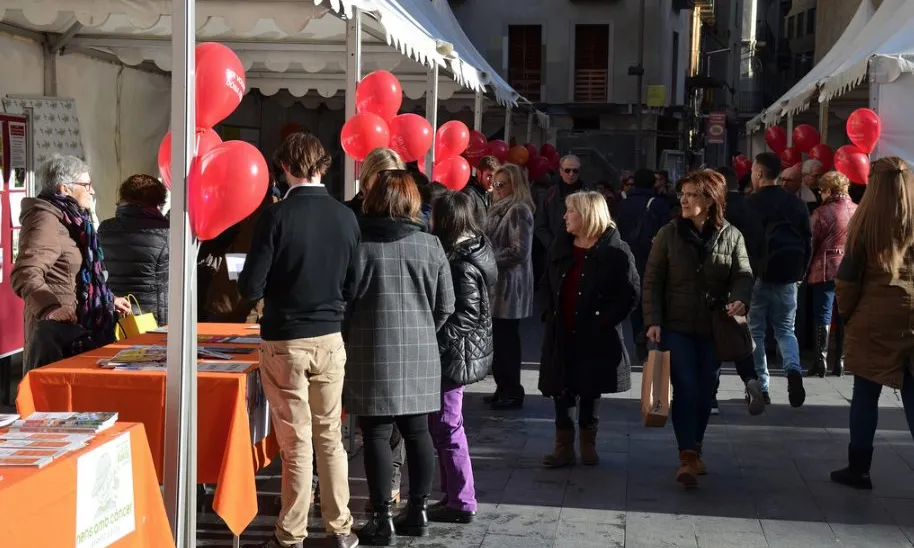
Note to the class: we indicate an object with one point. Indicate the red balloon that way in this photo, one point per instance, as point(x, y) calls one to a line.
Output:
point(776, 138)
point(363, 133)
point(742, 165)
point(453, 172)
point(554, 161)
point(226, 185)
point(499, 149)
point(410, 136)
point(452, 139)
point(790, 157)
point(864, 127)
point(518, 155)
point(532, 152)
point(476, 149)
point(805, 137)
point(538, 168)
point(379, 93)
point(824, 154)
point(220, 83)
point(205, 140)
point(548, 150)
point(854, 163)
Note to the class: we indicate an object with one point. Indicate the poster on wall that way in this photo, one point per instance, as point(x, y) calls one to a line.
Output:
point(18, 155)
point(104, 494)
point(54, 125)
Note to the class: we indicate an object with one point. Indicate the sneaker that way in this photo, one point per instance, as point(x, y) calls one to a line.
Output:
point(715, 408)
point(349, 540)
point(767, 398)
point(756, 400)
point(795, 391)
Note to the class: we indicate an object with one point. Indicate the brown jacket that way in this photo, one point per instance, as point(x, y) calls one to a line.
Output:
point(44, 275)
point(223, 303)
point(879, 311)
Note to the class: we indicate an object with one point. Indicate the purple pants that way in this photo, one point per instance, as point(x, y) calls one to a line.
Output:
point(450, 440)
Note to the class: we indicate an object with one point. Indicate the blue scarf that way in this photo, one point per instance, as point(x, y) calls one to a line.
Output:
point(94, 301)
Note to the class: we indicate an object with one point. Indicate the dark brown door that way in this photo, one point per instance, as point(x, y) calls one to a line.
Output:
point(591, 63)
point(525, 60)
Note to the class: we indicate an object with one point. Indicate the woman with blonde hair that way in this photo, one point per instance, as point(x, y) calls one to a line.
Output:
point(829, 235)
point(510, 229)
point(875, 290)
point(592, 286)
point(378, 160)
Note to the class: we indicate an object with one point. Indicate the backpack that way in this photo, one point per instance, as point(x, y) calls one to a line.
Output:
point(643, 233)
point(783, 245)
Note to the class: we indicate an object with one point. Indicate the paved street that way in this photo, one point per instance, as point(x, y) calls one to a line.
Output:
point(768, 484)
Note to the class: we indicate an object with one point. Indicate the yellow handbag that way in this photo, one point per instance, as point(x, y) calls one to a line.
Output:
point(132, 325)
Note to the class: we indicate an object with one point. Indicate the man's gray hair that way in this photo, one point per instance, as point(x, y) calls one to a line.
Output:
point(812, 166)
point(568, 157)
point(59, 170)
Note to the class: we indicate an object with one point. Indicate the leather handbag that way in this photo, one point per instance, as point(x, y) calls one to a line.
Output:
point(732, 338)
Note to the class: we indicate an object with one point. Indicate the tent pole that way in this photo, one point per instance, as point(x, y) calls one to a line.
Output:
point(180, 467)
point(431, 114)
point(508, 110)
point(874, 105)
point(477, 111)
point(529, 128)
point(823, 122)
point(353, 76)
point(790, 130)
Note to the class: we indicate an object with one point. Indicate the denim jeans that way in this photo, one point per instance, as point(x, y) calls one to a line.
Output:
point(865, 410)
point(693, 372)
point(450, 441)
point(777, 304)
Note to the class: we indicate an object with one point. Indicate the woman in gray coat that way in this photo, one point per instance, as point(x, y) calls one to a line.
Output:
point(510, 229)
point(393, 369)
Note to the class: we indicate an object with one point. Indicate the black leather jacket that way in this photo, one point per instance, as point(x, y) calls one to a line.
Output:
point(465, 340)
point(135, 244)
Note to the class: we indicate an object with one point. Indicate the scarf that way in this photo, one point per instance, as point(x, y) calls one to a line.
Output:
point(94, 301)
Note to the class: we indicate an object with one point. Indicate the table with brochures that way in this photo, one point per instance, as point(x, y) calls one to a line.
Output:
point(40, 506)
point(233, 439)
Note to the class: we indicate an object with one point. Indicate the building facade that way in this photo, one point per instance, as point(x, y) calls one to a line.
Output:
point(576, 58)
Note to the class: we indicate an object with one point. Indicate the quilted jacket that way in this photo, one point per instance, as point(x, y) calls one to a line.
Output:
point(465, 340)
point(829, 234)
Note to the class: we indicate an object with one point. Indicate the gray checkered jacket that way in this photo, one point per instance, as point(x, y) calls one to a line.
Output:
point(404, 296)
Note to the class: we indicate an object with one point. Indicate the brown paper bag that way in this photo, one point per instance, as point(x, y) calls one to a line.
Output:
point(655, 389)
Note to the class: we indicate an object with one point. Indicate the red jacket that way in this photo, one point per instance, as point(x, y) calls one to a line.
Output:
point(829, 234)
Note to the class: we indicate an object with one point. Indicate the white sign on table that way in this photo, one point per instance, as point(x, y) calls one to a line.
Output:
point(105, 508)
point(235, 264)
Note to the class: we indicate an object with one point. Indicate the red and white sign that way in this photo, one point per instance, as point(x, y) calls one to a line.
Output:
point(716, 128)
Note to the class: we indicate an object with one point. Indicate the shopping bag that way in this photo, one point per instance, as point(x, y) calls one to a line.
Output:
point(655, 389)
point(132, 325)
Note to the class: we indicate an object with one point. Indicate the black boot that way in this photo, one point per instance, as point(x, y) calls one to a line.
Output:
point(413, 522)
point(379, 531)
point(821, 363)
point(857, 473)
point(837, 368)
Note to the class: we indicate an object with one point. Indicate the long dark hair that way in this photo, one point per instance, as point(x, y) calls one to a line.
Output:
point(453, 217)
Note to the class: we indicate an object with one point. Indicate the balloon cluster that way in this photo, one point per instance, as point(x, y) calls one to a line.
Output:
point(376, 124)
point(227, 180)
point(863, 129)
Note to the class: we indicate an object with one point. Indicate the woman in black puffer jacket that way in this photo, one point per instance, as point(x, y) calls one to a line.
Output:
point(135, 243)
point(466, 348)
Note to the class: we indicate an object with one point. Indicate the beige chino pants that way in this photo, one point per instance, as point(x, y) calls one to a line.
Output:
point(303, 381)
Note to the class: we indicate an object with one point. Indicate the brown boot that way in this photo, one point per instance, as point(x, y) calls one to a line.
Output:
point(686, 474)
point(588, 445)
point(563, 454)
point(700, 467)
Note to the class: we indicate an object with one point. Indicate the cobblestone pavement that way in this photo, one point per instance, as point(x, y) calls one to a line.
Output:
point(768, 483)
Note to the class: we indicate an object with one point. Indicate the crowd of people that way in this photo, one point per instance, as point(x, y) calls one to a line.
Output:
point(392, 303)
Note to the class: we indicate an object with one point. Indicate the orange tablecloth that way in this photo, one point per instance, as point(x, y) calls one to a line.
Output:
point(225, 455)
point(38, 506)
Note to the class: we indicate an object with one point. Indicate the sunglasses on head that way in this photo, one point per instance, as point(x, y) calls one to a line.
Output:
point(572, 170)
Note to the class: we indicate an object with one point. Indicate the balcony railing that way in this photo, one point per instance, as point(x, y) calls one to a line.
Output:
point(526, 82)
point(590, 85)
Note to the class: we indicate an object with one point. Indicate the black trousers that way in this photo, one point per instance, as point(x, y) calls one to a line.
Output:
point(588, 411)
point(745, 368)
point(506, 361)
point(377, 432)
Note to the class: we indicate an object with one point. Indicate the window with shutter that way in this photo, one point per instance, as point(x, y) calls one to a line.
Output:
point(525, 60)
point(591, 63)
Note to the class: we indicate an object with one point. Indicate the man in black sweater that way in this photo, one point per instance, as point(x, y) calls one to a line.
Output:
point(303, 263)
point(785, 252)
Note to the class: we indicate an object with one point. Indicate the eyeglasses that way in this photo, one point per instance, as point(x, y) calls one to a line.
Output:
point(82, 184)
point(572, 170)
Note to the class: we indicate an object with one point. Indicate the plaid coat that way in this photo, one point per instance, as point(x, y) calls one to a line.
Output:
point(404, 296)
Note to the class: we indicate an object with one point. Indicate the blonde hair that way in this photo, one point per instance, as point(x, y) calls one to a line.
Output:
point(595, 217)
point(884, 222)
point(834, 182)
point(520, 189)
point(378, 160)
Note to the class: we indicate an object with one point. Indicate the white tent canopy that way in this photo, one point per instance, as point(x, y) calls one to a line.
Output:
point(798, 97)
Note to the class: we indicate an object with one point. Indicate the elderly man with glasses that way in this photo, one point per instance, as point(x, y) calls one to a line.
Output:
point(550, 213)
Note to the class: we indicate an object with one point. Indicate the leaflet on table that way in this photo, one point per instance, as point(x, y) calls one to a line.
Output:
point(40, 444)
point(37, 462)
point(223, 367)
point(28, 452)
point(60, 437)
point(66, 422)
point(232, 339)
point(141, 354)
point(7, 419)
point(133, 366)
